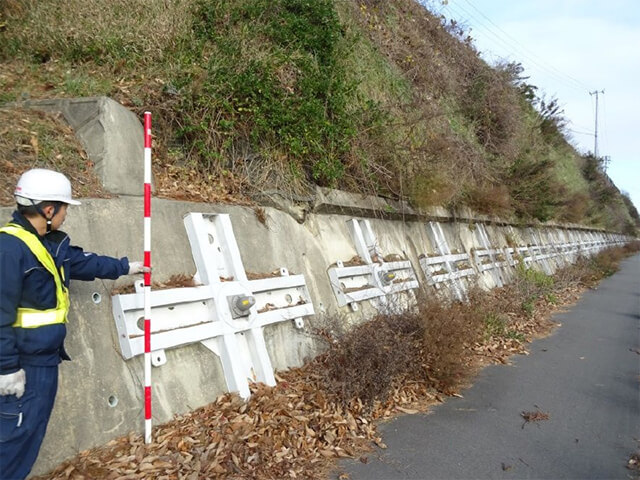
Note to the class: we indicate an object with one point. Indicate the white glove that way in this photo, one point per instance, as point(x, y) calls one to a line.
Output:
point(13, 383)
point(137, 267)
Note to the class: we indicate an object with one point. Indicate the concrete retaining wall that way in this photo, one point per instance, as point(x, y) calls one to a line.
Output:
point(100, 395)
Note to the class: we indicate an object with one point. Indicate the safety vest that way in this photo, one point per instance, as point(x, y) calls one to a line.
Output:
point(30, 317)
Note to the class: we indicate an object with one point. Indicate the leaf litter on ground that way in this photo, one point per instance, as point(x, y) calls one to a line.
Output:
point(296, 429)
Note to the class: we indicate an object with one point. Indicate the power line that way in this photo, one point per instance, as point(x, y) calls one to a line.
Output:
point(525, 49)
point(580, 132)
point(495, 38)
point(581, 127)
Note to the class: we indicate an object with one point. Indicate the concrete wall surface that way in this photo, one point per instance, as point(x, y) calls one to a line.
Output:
point(111, 135)
point(101, 394)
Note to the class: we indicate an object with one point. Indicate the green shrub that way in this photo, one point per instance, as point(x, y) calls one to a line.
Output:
point(286, 89)
point(536, 278)
point(495, 325)
point(531, 285)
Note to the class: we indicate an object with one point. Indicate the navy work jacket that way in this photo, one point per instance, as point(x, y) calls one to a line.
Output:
point(24, 282)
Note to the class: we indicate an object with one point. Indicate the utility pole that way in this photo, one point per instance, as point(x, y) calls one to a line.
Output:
point(595, 147)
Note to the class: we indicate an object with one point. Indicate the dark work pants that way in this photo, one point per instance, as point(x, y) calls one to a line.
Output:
point(23, 422)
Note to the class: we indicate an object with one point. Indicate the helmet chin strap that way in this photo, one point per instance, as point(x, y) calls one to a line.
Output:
point(56, 209)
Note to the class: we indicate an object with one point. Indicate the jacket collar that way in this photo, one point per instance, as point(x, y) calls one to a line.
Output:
point(24, 223)
point(54, 240)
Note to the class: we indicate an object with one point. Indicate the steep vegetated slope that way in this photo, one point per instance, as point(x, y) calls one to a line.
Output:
point(380, 97)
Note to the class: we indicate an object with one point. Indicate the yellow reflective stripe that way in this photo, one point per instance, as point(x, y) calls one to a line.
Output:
point(34, 244)
point(31, 318)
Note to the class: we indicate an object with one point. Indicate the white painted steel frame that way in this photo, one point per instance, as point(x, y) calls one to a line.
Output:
point(445, 260)
point(202, 313)
point(357, 283)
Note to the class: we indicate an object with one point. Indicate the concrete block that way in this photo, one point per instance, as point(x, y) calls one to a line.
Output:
point(345, 203)
point(111, 135)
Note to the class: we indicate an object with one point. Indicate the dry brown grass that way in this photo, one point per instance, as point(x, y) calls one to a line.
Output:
point(588, 271)
point(576, 207)
point(145, 31)
point(490, 199)
point(450, 330)
point(32, 139)
point(362, 364)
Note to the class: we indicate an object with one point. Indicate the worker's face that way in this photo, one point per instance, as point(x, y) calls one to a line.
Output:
point(58, 218)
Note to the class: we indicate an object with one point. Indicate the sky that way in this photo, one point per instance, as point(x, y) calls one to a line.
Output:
point(569, 48)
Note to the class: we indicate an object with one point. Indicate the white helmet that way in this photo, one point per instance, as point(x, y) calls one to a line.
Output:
point(40, 185)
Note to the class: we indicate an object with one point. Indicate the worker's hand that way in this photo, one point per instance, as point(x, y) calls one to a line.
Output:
point(13, 383)
point(137, 267)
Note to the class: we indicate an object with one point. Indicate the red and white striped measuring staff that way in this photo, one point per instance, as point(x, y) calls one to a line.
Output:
point(147, 277)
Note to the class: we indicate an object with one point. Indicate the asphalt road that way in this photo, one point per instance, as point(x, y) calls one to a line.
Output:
point(586, 376)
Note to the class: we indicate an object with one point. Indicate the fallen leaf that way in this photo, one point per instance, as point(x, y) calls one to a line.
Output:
point(410, 411)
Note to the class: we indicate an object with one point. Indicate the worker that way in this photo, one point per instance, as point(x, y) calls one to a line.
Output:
point(37, 261)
